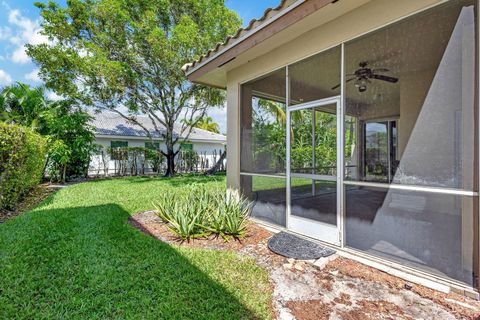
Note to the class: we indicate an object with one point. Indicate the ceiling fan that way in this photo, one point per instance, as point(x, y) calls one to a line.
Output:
point(363, 76)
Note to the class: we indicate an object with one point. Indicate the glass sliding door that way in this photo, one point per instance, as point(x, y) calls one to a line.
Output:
point(376, 159)
point(379, 157)
point(411, 189)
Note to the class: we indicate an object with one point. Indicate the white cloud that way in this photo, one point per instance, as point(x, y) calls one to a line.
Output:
point(5, 78)
point(27, 32)
point(20, 55)
point(33, 76)
point(5, 33)
point(53, 96)
point(16, 18)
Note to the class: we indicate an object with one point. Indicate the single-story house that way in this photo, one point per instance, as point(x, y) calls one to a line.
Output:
point(113, 131)
point(377, 155)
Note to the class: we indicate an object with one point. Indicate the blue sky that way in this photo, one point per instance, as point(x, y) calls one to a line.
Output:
point(19, 24)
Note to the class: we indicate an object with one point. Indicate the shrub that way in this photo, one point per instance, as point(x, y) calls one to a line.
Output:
point(22, 160)
point(229, 215)
point(188, 159)
point(198, 211)
point(154, 159)
point(59, 156)
point(184, 212)
point(325, 158)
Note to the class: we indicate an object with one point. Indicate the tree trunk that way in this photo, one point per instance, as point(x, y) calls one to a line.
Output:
point(217, 165)
point(170, 164)
point(45, 167)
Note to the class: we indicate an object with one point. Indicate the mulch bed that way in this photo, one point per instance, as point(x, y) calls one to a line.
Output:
point(343, 289)
point(149, 223)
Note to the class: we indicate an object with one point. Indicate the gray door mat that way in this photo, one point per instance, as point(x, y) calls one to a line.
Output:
point(291, 246)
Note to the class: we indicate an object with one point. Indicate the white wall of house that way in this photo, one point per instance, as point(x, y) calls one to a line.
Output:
point(208, 151)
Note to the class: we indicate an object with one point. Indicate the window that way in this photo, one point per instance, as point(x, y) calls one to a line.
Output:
point(117, 153)
point(118, 144)
point(186, 146)
point(152, 145)
point(424, 230)
point(379, 155)
point(268, 196)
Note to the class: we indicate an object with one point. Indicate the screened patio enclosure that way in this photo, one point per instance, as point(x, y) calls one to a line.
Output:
point(372, 145)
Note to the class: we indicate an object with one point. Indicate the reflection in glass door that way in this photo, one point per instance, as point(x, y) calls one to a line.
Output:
point(380, 143)
point(313, 170)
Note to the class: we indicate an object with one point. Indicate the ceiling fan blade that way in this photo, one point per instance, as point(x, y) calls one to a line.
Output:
point(381, 70)
point(338, 85)
point(384, 78)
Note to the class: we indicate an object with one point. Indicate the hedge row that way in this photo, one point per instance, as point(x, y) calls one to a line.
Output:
point(22, 158)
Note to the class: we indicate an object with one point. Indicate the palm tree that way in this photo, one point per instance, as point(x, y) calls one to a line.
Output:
point(277, 110)
point(21, 104)
point(208, 124)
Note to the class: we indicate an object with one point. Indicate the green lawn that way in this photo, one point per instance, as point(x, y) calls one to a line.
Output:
point(267, 183)
point(76, 256)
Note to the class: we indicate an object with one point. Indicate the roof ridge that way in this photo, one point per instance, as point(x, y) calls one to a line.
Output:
point(113, 123)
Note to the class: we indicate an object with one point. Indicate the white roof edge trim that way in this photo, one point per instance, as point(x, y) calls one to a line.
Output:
point(119, 137)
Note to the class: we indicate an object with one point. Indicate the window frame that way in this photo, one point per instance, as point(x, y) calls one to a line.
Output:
point(119, 144)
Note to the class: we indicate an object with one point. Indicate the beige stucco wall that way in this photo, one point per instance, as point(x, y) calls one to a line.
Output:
point(369, 16)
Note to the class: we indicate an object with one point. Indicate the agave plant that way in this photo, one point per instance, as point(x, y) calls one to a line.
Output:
point(183, 214)
point(230, 216)
point(198, 212)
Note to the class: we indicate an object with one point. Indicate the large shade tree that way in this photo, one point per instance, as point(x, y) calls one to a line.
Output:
point(126, 56)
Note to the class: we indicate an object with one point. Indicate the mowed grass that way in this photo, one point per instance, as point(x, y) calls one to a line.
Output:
point(76, 257)
point(261, 183)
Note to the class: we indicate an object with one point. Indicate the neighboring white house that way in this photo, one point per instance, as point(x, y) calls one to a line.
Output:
point(111, 130)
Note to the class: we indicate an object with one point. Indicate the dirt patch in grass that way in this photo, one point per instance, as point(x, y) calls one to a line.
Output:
point(339, 289)
point(31, 200)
